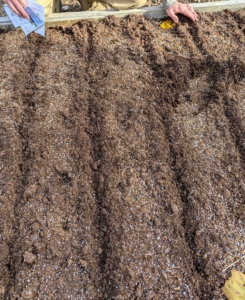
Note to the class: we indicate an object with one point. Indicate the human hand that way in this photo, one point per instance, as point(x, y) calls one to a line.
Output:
point(181, 8)
point(17, 6)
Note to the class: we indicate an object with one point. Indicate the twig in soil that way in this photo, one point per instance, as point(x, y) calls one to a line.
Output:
point(233, 263)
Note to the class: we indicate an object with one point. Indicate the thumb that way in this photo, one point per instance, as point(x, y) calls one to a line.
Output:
point(173, 16)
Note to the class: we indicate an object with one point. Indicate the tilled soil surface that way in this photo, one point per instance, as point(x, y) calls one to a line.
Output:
point(122, 159)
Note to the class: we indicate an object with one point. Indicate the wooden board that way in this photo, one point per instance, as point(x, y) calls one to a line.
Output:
point(70, 18)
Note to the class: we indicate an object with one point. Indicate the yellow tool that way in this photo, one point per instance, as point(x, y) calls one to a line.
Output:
point(168, 24)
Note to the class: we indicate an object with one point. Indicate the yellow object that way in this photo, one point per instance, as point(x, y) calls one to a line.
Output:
point(234, 288)
point(50, 6)
point(168, 24)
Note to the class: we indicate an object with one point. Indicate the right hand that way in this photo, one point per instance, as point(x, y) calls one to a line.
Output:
point(181, 8)
point(17, 6)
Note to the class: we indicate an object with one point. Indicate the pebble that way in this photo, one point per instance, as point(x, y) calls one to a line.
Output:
point(69, 262)
point(29, 257)
point(103, 211)
point(83, 263)
point(227, 193)
point(86, 249)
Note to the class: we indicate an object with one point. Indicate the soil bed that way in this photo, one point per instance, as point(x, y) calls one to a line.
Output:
point(122, 159)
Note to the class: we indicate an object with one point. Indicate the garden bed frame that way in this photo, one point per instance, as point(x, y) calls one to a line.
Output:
point(70, 18)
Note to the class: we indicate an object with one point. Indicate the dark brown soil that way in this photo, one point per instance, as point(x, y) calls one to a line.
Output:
point(122, 159)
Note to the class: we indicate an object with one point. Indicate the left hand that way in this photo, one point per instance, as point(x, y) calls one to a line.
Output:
point(17, 6)
point(181, 8)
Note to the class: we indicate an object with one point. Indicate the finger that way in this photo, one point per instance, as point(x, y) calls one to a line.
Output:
point(194, 14)
point(190, 7)
point(17, 8)
point(22, 3)
point(192, 10)
point(12, 7)
point(194, 17)
point(172, 15)
point(21, 10)
point(183, 9)
point(188, 13)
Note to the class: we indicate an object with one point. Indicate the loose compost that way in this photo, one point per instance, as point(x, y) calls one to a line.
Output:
point(122, 159)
